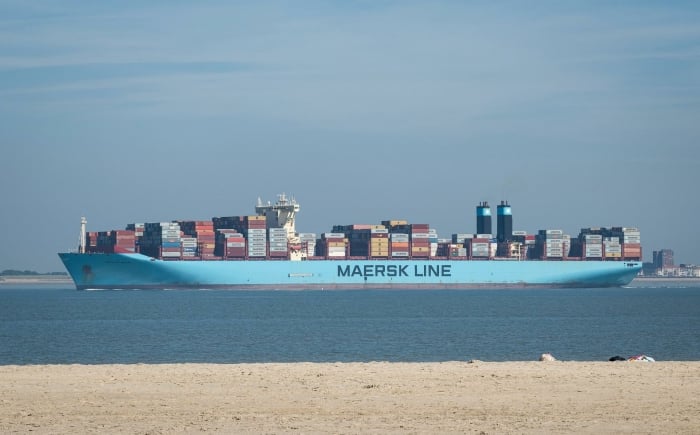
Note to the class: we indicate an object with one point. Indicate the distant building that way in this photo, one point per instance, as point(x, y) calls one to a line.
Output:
point(662, 266)
point(663, 259)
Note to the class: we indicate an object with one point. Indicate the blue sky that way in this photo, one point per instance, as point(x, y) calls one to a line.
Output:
point(579, 114)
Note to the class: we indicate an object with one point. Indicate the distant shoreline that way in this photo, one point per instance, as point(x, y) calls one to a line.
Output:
point(36, 279)
point(648, 279)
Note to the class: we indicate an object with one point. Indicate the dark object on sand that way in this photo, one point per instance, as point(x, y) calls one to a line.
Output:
point(617, 358)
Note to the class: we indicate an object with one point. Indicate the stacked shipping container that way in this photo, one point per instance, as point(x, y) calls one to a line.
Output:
point(161, 240)
point(110, 242)
point(201, 241)
point(255, 231)
point(278, 243)
point(247, 237)
point(333, 246)
point(550, 244)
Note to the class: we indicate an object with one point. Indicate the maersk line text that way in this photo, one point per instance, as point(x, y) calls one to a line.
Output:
point(394, 270)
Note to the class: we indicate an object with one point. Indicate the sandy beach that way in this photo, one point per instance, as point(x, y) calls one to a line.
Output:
point(451, 397)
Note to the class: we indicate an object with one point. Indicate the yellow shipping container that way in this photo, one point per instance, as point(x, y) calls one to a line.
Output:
point(378, 227)
point(396, 222)
point(256, 218)
point(336, 244)
point(420, 249)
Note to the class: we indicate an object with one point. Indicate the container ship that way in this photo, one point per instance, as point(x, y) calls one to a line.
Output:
point(264, 251)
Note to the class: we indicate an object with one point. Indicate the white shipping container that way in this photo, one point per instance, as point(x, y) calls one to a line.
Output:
point(334, 235)
point(459, 237)
point(257, 231)
point(420, 236)
point(520, 233)
point(399, 253)
point(484, 236)
point(380, 231)
point(277, 249)
point(170, 254)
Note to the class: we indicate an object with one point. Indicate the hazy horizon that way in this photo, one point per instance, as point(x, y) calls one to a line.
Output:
point(579, 114)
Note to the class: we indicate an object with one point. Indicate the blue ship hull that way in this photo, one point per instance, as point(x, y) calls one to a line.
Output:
point(136, 271)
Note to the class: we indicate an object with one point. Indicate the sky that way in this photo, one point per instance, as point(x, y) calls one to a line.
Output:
point(580, 114)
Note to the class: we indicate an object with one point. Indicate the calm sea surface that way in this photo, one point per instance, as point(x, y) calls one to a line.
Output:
point(50, 325)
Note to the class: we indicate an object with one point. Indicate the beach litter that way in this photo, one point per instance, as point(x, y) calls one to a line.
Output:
point(547, 357)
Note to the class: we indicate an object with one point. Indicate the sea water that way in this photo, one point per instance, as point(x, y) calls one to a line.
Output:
point(49, 325)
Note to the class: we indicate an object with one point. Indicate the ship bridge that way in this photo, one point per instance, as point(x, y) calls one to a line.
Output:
point(280, 214)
